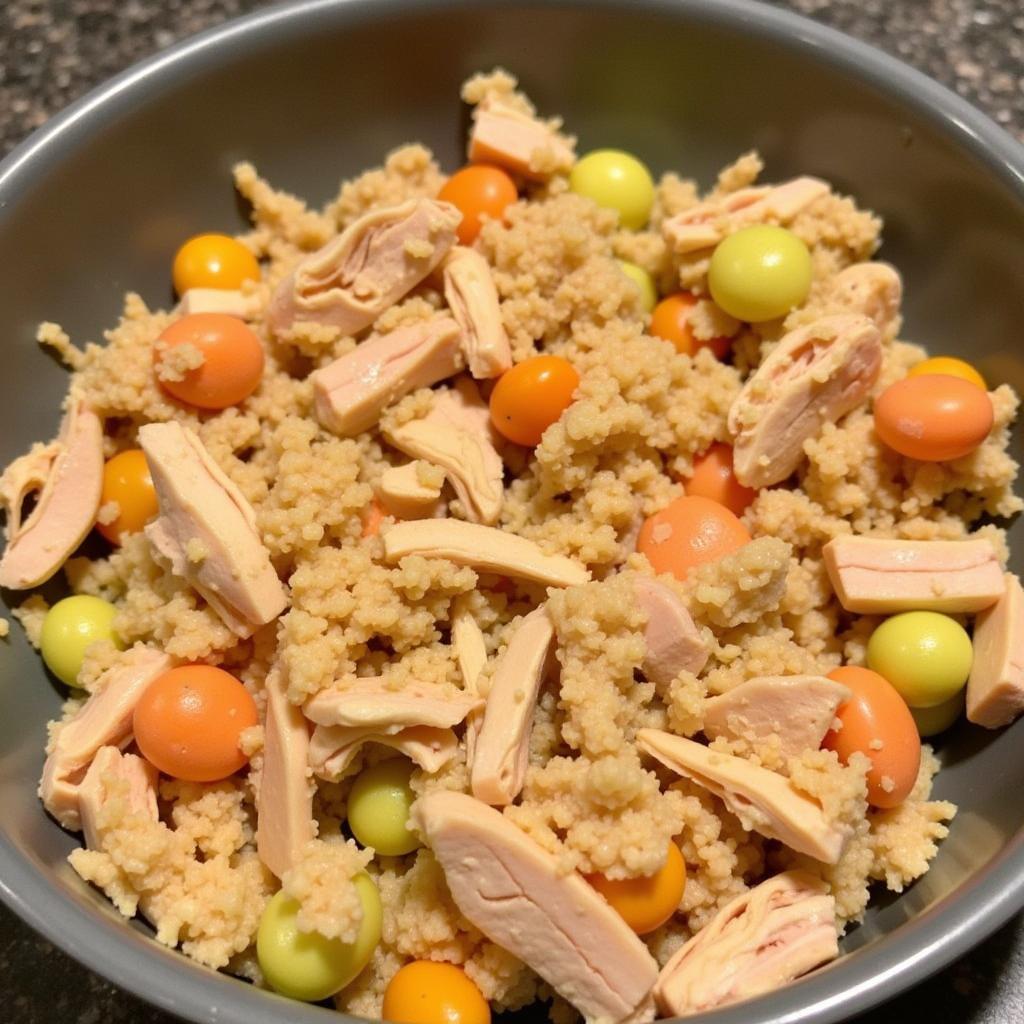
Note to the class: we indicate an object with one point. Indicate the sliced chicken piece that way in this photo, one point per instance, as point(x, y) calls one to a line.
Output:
point(372, 264)
point(482, 547)
point(764, 801)
point(218, 300)
point(109, 764)
point(352, 392)
point(284, 804)
point(674, 643)
point(511, 139)
point(404, 495)
point(502, 750)
point(872, 289)
point(473, 300)
point(105, 720)
point(67, 476)
point(367, 703)
point(815, 375)
point(333, 747)
point(198, 503)
point(757, 943)
point(706, 224)
point(874, 576)
point(471, 654)
point(797, 709)
point(995, 689)
point(513, 891)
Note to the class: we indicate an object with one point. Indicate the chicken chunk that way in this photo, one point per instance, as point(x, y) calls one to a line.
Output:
point(482, 547)
point(404, 495)
point(473, 299)
point(219, 300)
point(872, 289)
point(995, 689)
point(370, 703)
point(105, 720)
point(352, 392)
point(764, 801)
point(757, 943)
point(815, 375)
point(510, 888)
point(109, 764)
point(797, 709)
point(875, 576)
point(525, 145)
point(206, 530)
point(674, 643)
point(67, 477)
point(502, 750)
point(334, 747)
point(372, 264)
point(471, 654)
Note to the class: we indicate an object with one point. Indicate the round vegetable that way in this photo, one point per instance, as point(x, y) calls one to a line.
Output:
point(951, 367)
point(189, 720)
point(531, 396)
point(71, 626)
point(378, 808)
point(934, 417)
point(878, 724)
point(925, 655)
point(478, 191)
point(713, 478)
point(428, 992)
point(932, 721)
point(307, 965)
point(671, 321)
point(688, 532)
point(646, 903)
point(760, 273)
point(643, 281)
point(618, 181)
point(232, 363)
point(126, 480)
point(213, 261)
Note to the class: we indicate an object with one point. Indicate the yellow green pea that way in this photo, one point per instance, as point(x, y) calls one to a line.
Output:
point(643, 281)
point(616, 180)
point(72, 625)
point(932, 721)
point(378, 808)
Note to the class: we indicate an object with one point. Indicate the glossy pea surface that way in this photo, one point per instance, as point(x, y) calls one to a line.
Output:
point(378, 808)
point(644, 282)
point(618, 181)
point(71, 626)
point(431, 992)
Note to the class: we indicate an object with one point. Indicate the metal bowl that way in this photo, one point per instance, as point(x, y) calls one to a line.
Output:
point(97, 202)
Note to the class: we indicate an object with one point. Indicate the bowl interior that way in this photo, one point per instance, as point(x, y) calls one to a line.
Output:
point(314, 97)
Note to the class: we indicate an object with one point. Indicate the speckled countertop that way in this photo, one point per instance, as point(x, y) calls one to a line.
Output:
point(51, 51)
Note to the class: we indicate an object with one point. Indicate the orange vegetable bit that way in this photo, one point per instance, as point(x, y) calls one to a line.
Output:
point(478, 191)
point(645, 904)
point(933, 417)
point(189, 720)
point(951, 366)
point(531, 396)
point(232, 364)
point(877, 723)
point(213, 261)
point(713, 478)
point(126, 480)
point(429, 992)
point(373, 516)
point(688, 532)
point(671, 321)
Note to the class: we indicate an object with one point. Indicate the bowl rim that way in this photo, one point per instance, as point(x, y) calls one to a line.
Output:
point(918, 948)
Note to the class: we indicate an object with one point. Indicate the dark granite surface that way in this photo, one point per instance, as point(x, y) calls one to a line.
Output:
point(51, 51)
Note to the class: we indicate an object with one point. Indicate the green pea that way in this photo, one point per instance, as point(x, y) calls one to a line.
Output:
point(378, 808)
point(643, 281)
point(925, 655)
point(618, 181)
point(71, 626)
point(306, 965)
point(760, 273)
point(932, 721)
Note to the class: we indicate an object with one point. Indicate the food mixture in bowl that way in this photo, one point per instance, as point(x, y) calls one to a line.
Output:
point(529, 584)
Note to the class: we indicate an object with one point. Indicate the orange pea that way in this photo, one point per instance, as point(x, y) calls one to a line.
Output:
point(671, 321)
point(478, 191)
point(189, 720)
point(951, 366)
point(877, 723)
point(430, 992)
point(232, 360)
point(688, 532)
point(646, 903)
point(933, 417)
point(713, 478)
point(126, 480)
point(213, 261)
point(531, 396)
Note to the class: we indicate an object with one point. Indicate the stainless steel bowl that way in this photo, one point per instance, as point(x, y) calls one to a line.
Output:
point(97, 202)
